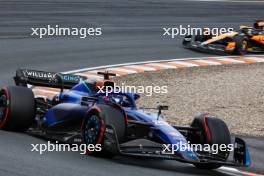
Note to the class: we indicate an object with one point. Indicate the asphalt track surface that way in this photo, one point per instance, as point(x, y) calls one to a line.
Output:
point(132, 31)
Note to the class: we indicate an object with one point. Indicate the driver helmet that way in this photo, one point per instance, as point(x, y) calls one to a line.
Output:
point(259, 24)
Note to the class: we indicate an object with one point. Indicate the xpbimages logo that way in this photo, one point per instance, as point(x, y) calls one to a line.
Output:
point(182, 147)
point(147, 90)
point(58, 147)
point(81, 32)
point(181, 30)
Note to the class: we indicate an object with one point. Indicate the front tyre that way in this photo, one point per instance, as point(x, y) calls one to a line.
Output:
point(17, 108)
point(94, 127)
point(213, 131)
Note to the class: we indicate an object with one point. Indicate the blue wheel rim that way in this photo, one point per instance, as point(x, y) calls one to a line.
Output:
point(92, 129)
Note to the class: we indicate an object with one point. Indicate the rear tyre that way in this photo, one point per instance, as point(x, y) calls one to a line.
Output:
point(213, 131)
point(94, 128)
point(241, 45)
point(17, 108)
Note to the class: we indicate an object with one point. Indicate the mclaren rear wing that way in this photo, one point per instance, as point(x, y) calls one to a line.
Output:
point(24, 77)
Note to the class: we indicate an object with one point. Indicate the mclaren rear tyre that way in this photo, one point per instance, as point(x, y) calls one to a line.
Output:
point(94, 129)
point(214, 131)
point(241, 45)
point(17, 108)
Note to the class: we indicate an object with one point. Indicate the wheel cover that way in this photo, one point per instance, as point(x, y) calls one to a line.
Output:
point(93, 130)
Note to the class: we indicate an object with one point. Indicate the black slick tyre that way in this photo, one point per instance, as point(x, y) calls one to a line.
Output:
point(17, 108)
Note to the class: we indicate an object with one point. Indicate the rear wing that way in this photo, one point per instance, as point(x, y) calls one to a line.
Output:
point(24, 77)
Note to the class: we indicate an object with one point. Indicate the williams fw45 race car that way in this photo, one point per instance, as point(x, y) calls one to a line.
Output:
point(82, 115)
point(246, 40)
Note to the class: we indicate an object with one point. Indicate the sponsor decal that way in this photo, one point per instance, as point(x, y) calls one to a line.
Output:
point(37, 74)
point(51, 76)
point(74, 78)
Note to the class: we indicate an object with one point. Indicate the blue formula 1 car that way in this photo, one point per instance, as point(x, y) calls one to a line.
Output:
point(83, 115)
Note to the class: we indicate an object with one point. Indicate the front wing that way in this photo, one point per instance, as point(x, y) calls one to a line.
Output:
point(191, 44)
point(150, 149)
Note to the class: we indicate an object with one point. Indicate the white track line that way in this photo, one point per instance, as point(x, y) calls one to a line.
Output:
point(146, 68)
point(185, 63)
point(232, 60)
point(161, 65)
point(122, 70)
point(208, 62)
